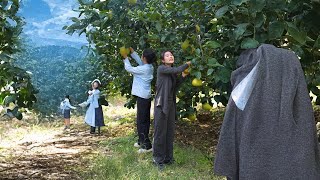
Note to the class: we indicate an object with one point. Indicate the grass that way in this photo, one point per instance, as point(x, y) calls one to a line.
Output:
point(123, 162)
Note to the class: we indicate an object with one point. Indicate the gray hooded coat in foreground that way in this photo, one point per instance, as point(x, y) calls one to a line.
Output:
point(274, 136)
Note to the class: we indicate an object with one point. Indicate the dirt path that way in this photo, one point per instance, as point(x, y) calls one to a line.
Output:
point(48, 153)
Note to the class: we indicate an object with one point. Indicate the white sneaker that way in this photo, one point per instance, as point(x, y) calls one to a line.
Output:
point(141, 151)
point(136, 145)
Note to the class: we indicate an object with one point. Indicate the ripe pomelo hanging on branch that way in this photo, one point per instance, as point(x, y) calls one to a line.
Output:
point(206, 106)
point(196, 82)
point(192, 117)
point(124, 51)
point(185, 45)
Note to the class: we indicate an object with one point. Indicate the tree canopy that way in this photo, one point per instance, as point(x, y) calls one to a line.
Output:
point(16, 89)
point(211, 33)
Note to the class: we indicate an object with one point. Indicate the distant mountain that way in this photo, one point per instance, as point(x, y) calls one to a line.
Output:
point(36, 41)
point(56, 71)
point(55, 53)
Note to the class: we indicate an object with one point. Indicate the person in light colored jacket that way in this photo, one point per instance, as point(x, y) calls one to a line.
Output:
point(141, 88)
point(66, 108)
point(94, 115)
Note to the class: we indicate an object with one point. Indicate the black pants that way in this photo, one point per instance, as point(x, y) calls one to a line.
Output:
point(164, 129)
point(143, 122)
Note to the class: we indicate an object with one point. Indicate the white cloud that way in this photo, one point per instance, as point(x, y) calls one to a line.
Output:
point(61, 11)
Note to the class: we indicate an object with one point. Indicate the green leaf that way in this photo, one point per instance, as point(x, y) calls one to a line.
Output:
point(239, 31)
point(4, 3)
point(224, 75)
point(194, 61)
point(249, 43)
point(297, 49)
point(188, 57)
point(158, 26)
point(310, 39)
point(259, 20)
point(239, 2)
point(142, 42)
point(261, 37)
point(220, 12)
point(198, 51)
point(257, 5)
point(212, 62)
point(74, 19)
point(163, 38)
point(317, 43)
point(276, 29)
point(216, 2)
point(301, 37)
point(212, 44)
point(197, 74)
point(210, 71)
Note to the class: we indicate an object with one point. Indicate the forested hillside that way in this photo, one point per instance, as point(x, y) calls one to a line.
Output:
point(57, 71)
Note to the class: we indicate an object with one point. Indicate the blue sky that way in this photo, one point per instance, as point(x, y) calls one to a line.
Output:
point(45, 18)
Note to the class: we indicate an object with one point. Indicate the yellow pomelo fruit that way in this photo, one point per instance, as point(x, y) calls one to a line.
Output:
point(196, 82)
point(206, 106)
point(192, 117)
point(198, 28)
point(110, 15)
point(186, 71)
point(124, 51)
point(185, 45)
point(193, 50)
point(132, 2)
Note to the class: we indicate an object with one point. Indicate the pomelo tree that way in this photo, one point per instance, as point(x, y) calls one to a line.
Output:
point(16, 89)
point(210, 33)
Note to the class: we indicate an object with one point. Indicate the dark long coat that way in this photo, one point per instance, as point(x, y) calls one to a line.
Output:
point(274, 136)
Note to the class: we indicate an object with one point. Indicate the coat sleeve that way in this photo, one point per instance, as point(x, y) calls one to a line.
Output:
point(136, 57)
point(172, 70)
point(131, 69)
point(69, 105)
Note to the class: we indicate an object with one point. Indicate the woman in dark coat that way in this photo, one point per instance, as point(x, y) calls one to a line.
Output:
point(165, 108)
point(268, 130)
